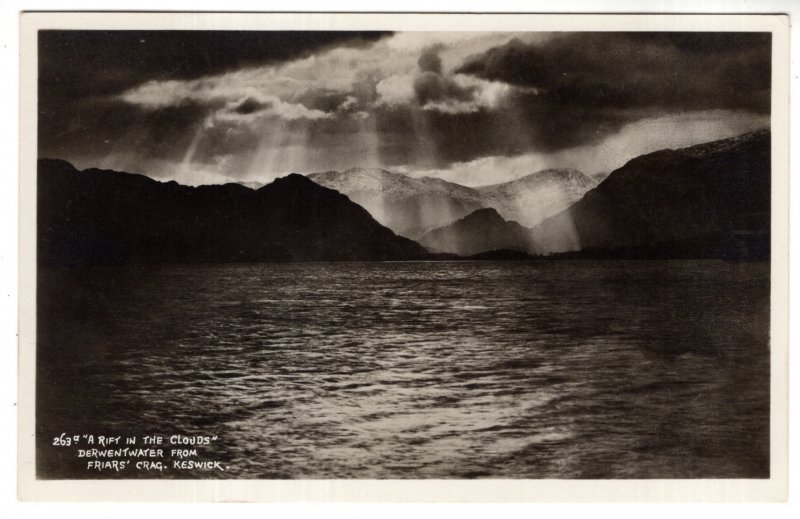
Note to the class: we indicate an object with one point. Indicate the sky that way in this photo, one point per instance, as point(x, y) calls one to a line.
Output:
point(473, 108)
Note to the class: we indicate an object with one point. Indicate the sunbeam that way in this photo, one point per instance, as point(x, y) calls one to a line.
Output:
point(185, 165)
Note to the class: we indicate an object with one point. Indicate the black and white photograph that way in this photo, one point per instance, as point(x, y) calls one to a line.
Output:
point(311, 253)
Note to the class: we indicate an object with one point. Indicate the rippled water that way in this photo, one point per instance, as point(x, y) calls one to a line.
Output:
point(567, 369)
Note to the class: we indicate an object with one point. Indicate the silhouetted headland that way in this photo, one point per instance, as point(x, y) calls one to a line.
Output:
point(96, 217)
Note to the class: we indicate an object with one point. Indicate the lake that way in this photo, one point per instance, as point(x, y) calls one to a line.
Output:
point(540, 369)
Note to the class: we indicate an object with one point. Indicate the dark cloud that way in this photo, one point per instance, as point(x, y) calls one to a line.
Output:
point(432, 85)
point(99, 128)
point(365, 88)
point(79, 70)
point(251, 106)
point(577, 88)
point(82, 63)
point(702, 42)
point(571, 115)
point(324, 100)
point(429, 60)
point(569, 90)
point(633, 70)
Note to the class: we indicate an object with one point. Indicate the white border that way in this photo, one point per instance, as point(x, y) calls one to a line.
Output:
point(415, 490)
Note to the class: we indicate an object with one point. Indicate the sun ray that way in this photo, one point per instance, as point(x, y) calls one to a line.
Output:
point(267, 154)
point(184, 169)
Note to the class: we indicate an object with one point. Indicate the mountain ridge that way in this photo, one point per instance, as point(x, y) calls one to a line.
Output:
point(412, 206)
point(479, 232)
point(107, 217)
point(715, 195)
point(710, 200)
point(407, 205)
point(707, 200)
point(532, 198)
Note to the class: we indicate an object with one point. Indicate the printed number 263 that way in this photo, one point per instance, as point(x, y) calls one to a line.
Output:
point(63, 440)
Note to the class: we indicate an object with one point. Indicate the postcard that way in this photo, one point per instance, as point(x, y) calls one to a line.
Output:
point(403, 257)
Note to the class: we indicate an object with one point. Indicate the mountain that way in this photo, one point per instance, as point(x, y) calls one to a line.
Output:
point(708, 200)
point(531, 199)
point(409, 206)
point(480, 231)
point(96, 217)
point(711, 200)
point(251, 185)
point(413, 206)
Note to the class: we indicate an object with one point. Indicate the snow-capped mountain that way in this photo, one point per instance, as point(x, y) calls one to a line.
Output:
point(413, 206)
point(408, 206)
point(531, 199)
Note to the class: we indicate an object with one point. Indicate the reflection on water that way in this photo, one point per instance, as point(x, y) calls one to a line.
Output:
point(612, 369)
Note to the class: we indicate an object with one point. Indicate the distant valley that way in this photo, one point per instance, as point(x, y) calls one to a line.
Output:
point(414, 206)
point(409, 206)
point(711, 200)
point(480, 231)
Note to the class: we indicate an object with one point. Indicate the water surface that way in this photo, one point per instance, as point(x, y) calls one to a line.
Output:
point(562, 369)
